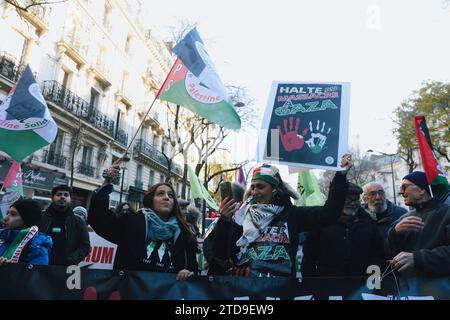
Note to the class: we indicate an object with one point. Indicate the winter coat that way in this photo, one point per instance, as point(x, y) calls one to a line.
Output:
point(77, 235)
point(35, 251)
point(388, 217)
point(297, 219)
point(129, 232)
point(431, 245)
point(344, 248)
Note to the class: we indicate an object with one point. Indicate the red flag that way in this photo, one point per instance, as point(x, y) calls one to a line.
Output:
point(14, 178)
point(434, 172)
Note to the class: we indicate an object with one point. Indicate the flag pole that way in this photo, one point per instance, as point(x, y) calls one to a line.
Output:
point(140, 125)
point(148, 111)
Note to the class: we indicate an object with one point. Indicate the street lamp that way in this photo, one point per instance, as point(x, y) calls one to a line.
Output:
point(125, 159)
point(391, 156)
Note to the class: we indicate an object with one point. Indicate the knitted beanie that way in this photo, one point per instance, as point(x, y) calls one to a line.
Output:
point(29, 210)
point(419, 179)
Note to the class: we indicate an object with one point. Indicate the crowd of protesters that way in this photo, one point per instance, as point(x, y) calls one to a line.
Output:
point(255, 234)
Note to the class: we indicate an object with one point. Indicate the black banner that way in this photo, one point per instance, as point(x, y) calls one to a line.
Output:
point(21, 281)
point(36, 177)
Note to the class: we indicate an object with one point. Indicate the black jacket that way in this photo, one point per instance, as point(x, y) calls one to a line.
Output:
point(298, 219)
point(431, 245)
point(129, 233)
point(388, 217)
point(77, 235)
point(344, 248)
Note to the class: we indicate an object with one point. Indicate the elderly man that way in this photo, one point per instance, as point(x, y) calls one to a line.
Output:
point(346, 247)
point(419, 242)
point(381, 210)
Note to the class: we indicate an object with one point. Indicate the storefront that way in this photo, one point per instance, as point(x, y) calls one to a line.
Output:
point(38, 181)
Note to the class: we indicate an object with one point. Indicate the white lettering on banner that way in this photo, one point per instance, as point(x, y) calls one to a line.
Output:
point(374, 280)
point(101, 253)
point(28, 237)
point(74, 280)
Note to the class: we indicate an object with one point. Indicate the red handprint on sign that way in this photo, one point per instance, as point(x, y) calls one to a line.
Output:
point(290, 139)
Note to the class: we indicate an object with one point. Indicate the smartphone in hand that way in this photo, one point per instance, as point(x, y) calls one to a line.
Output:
point(225, 190)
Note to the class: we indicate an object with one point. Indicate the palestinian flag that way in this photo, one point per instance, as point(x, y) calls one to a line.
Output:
point(13, 186)
point(19, 240)
point(194, 84)
point(434, 172)
point(25, 122)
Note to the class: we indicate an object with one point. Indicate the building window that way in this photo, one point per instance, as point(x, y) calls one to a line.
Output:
point(144, 134)
point(138, 182)
point(87, 155)
point(95, 98)
point(151, 181)
point(57, 145)
point(65, 78)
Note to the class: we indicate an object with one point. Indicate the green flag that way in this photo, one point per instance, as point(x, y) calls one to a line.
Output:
point(199, 191)
point(194, 84)
point(309, 189)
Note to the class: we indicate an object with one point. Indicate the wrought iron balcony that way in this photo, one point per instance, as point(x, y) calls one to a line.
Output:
point(121, 137)
point(86, 169)
point(54, 159)
point(8, 67)
point(151, 152)
point(66, 99)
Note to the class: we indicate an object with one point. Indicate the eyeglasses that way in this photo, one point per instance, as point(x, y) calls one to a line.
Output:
point(405, 186)
point(374, 193)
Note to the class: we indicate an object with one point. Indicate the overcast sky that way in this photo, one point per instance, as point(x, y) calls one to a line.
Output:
point(385, 49)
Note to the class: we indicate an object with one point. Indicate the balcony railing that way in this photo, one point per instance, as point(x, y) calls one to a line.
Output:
point(86, 169)
point(156, 155)
point(56, 93)
point(122, 137)
point(150, 151)
point(8, 67)
point(54, 159)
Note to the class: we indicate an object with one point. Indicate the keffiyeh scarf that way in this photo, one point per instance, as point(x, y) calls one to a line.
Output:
point(254, 218)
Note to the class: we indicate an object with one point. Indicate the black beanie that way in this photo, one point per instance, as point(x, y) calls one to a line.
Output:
point(353, 188)
point(419, 179)
point(29, 210)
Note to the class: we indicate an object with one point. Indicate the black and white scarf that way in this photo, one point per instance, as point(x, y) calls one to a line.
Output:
point(254, 218)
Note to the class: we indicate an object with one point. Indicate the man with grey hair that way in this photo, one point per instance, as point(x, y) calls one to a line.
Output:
point(381, 210)
point(419, 242)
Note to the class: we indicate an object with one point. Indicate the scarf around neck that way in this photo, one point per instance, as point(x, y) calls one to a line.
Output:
point(159, 229)
point(254, 218)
